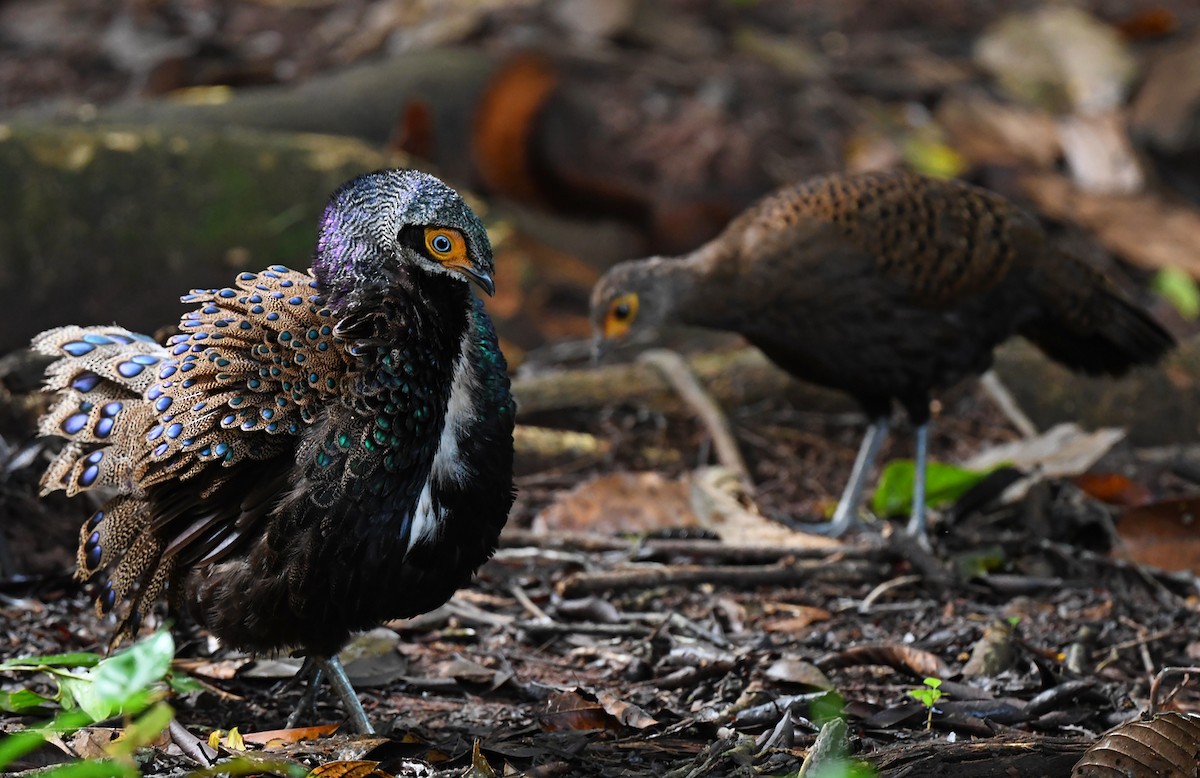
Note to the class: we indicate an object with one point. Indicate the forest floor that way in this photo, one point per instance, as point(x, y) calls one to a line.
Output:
point(617, 632)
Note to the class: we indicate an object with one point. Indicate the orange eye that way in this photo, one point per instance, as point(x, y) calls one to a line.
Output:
point(444, 244)
point(622, 312)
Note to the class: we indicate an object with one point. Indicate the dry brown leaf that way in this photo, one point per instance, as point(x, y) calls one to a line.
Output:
point(907, 659)
point(222, 670)
point(793, 624)
point(1164, 534)
point(625, 712)
point(349, 769)
point(993, 653)
point(719, 502)
point(277, 738)
point(571, 711)
point(799, 672)
point(620, 502)
point(1113, 488)
point(1168, 744)
point(91, 742)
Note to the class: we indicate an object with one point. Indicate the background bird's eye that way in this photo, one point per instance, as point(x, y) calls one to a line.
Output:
point(622, 312)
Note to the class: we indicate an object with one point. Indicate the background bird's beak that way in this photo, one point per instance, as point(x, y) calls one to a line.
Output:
point(481, 279)
point(600, 347)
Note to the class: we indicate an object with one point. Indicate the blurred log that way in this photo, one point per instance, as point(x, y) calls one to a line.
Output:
point(542, 448)
point(105, 223)
point(366, 101)
point(733, 378)
point(1157, 405)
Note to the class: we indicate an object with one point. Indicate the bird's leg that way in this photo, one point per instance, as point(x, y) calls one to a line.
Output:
point(345, 692)
point(917, 526)
point(313, 672)
point(847, 509)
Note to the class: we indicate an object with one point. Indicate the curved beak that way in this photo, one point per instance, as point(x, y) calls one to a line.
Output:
point(481, 279)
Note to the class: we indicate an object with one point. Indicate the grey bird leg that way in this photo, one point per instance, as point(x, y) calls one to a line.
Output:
point(846, 514)
point(917, 526)
point(345, 692)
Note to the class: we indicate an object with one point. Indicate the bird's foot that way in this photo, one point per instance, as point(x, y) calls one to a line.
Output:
point(840, 525)
point(312, 672)
point(315, 670)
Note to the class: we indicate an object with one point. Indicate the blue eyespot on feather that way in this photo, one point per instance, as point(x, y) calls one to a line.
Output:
point(85, 382)
point(74, 423)
point(78, 348)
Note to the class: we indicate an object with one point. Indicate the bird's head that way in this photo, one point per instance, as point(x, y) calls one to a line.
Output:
point(382, 222)
point(631, 302)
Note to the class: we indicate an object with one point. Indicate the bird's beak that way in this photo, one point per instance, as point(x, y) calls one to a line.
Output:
point(600, 347)
point(481, 279)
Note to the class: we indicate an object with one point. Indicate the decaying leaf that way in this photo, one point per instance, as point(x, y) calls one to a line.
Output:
point(620, 502)
point(1063, 451)
point(1112, 488)
point(906, 659)
point(718, 502)
point(277, 738)
point(1165, 534)
point(572, 711)
point(799, 672)
point(349, 769)
point(1168, 745)
point(625, 712)
point(993, 653)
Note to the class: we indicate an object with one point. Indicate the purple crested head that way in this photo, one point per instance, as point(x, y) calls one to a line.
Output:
point(362, 235)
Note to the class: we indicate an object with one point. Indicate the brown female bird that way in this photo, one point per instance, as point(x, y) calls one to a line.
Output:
point(312, 454)
point(886, 286)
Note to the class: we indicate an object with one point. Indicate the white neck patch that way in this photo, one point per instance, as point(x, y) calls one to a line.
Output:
point(448, 467)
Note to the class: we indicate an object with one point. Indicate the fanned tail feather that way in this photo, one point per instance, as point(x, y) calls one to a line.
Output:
point(100, 376)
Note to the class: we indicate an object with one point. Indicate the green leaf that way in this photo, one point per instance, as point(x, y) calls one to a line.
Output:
point(21, 701)
point(144, 729)
point(182, 683)
point(830, 705)
point(121, 683)
point(17, 745)
point(80, 659)
point(943, 485)
point(1179, 289)
point(92, 768)
point(252, 765)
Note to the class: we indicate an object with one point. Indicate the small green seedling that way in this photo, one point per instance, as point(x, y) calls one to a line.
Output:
point(928, 695)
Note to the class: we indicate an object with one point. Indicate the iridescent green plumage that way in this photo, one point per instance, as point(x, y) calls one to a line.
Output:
point(311, 454)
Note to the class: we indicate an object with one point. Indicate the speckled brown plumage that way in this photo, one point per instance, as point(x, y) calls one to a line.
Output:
point(887, 286)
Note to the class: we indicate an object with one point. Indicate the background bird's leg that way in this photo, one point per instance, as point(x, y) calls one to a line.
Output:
point(313, 672)
point(847, 509)
point(345, 692)
point(917, 524)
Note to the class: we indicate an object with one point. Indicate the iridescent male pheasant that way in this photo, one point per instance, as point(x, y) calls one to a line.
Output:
point(312, 454)
point(886, 286)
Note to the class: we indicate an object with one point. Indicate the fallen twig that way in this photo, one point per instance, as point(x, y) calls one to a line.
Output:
point(783, 574)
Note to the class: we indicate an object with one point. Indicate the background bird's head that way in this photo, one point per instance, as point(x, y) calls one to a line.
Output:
point(382, 223)
point(632, 301)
